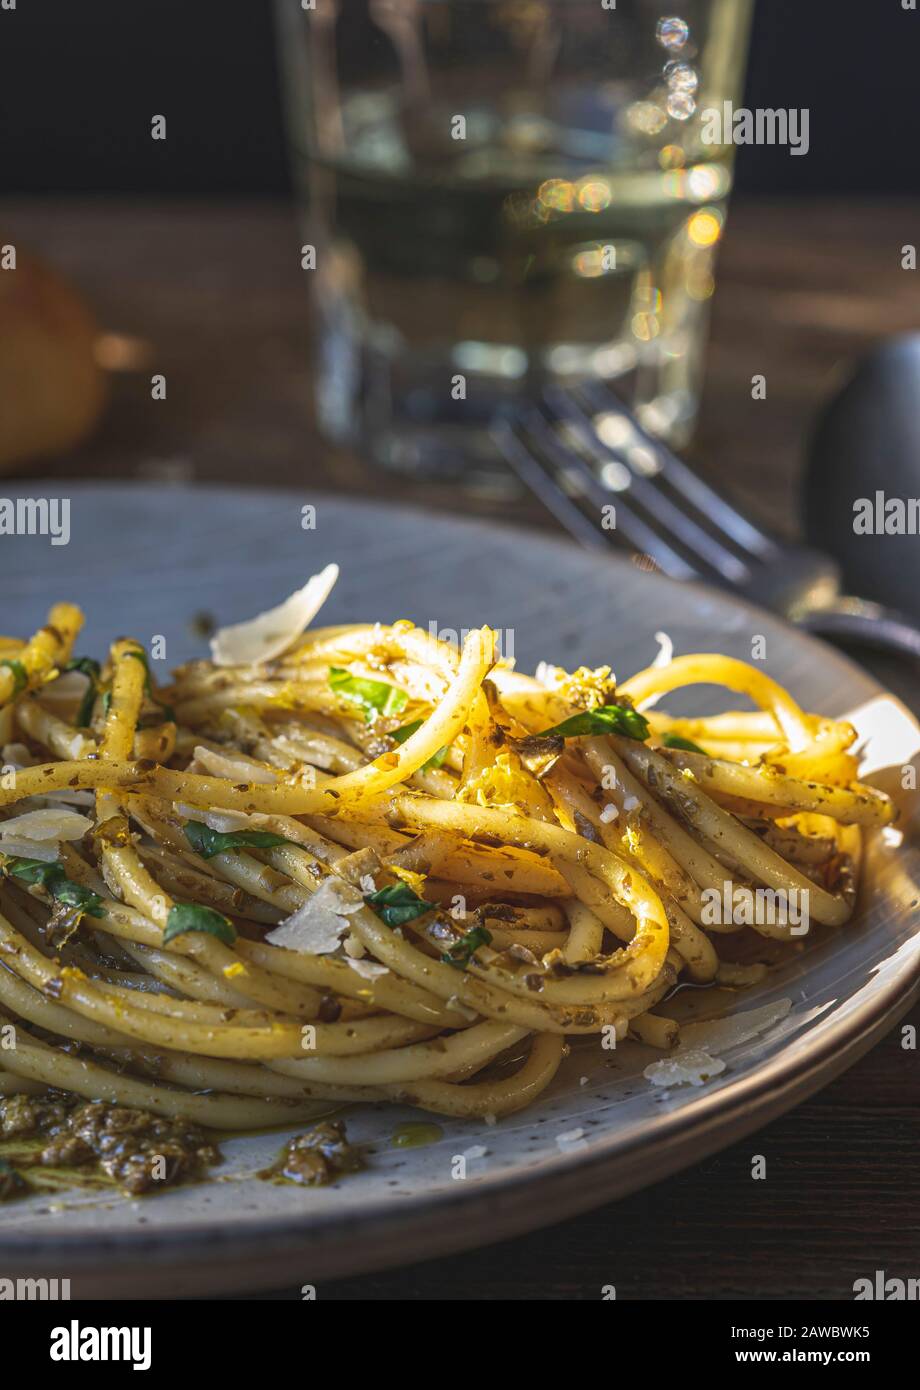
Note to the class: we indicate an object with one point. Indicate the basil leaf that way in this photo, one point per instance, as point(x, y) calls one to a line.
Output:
point(87, 664)
point(189, 917)
point(52, 878)
point(606, 719)
point(208, 842)
point(407, 730)
point(462, 951)
point(675, 741)
point(91, 669)
point(374, 697)
point(397, 904)
point(20, 675)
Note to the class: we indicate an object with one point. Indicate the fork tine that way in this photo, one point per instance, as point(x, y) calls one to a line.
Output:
point(709, 503)
point(539, 458)
point(706, 550)
point(553, 496)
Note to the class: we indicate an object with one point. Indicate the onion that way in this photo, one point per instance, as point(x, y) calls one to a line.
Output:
point(269, 634)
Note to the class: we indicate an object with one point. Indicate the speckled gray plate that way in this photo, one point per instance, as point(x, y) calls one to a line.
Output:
point(145, 561)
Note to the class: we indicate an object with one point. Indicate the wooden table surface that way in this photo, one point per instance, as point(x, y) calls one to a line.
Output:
point(217, 294)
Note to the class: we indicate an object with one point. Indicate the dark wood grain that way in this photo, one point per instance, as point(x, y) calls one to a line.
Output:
point(218, 295)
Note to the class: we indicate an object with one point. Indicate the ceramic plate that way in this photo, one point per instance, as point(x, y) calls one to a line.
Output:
point(146, 561)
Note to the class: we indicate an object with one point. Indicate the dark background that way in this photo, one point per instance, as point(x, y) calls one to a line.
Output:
point(80, 79)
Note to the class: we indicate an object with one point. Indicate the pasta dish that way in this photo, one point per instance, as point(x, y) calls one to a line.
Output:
point(360, 863)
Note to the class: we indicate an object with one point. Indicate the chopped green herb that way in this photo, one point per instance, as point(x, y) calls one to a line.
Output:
point(407, 730)
point(106, 701)
point(675, 741)
point(374, 697)
point(397, 904)
point(462, 951)
point(91, 669)
point(208, 842)
point(606, 719)
point(189, 917)
point(52, 878)
point(87, 664)
point(20, 675)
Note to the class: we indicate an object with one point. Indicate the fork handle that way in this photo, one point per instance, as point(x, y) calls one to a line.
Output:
point(868, 624)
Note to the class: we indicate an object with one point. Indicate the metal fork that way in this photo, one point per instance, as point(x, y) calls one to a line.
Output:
point(609, 482)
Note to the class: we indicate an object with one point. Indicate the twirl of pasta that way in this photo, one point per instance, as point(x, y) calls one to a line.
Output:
point(363, 864)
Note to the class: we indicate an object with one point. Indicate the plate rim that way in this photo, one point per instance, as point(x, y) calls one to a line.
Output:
point(717, 1118)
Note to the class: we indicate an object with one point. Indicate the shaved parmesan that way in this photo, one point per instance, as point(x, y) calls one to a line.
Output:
point(46, 850)
point(716, 1034)
point(693, 1063)
point(317, 927)
point(691, 1068)
point(269, 634)
point(239, 768)
point(17, 755)
point(665, 650)
point(50, 824)
point(224, 822)
point(572, 1139)
point(369, 968)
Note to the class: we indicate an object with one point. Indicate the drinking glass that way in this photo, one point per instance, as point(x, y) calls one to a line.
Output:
point(501, 193)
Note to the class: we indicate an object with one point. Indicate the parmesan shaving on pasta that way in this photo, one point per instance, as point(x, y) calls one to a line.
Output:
point(46, 850)
point(319, 925)
point(269, 634)
point(50, 824)
point(369, 969)
point(224, 822)
point(239, 768)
